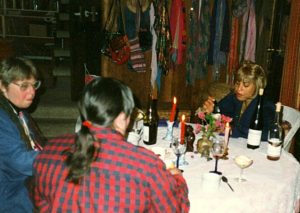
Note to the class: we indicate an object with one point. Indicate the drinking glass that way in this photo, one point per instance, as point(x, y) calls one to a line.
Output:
point(242, 162)
point(217, 150)
point(179, 150)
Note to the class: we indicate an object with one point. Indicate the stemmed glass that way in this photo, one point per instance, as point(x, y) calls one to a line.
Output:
point(243, 162)
point(217, 150)
point(179, 150)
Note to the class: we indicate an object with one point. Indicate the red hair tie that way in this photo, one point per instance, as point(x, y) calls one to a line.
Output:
point(87, 124)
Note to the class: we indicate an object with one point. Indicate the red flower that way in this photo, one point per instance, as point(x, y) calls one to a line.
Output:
point(213, 123)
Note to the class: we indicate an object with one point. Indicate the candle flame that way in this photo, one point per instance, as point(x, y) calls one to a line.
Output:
point(183, 117)
point(174, 100)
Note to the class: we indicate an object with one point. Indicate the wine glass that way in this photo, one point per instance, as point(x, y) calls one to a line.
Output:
point(243, 162)
point(178, 149)
point(217, 150)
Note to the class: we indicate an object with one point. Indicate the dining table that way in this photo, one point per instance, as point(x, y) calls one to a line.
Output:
point(270, 186)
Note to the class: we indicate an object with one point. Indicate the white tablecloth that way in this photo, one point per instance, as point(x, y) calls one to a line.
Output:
point(271, 186)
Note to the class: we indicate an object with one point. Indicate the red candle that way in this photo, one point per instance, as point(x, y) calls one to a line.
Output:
point(182, 129)
point(173, 110)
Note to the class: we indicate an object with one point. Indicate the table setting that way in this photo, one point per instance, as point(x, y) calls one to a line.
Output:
point(269, 186)
point(222, 174)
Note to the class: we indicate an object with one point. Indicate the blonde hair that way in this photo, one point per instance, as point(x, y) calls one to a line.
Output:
point(250, 72)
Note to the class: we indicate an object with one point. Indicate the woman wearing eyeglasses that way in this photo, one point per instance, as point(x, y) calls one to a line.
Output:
point(19, 141)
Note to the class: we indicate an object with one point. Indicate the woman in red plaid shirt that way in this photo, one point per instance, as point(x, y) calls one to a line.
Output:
point(97, 170)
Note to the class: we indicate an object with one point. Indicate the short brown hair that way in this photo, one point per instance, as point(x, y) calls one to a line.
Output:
point(13, 69)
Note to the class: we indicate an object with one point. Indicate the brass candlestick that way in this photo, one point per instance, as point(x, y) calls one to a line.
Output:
point(225, 155)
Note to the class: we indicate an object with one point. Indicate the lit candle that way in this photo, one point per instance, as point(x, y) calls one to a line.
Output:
point(173, 110)
point(182, 129)
point(226, 136)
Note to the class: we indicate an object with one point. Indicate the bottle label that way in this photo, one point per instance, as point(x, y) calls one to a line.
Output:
point(146, 133)
point(254, 137)
point(274, 147)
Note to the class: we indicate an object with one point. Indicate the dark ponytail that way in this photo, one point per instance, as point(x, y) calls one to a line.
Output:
point(102, 101)
point(85, 153)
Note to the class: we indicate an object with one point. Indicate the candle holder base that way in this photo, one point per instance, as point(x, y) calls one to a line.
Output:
point(225, 156)
point(169, 134)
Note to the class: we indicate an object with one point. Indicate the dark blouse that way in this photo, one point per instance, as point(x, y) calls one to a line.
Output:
point(231, 107)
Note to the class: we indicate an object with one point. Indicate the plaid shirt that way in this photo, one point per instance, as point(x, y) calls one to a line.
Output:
point(124, 178)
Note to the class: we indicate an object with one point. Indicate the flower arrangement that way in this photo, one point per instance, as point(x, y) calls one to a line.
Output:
point(211, 123)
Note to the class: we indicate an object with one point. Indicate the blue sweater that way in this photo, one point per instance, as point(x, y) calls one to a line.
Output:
point(15, 165)
point(231, 107)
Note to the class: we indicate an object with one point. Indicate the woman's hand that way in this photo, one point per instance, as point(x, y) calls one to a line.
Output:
point(208, 105)
point(175, 171)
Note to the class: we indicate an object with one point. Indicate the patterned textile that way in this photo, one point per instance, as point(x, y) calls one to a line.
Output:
point(24, 121)
point(198, 41)
point(232, 61)
point(123, 178)
point(132, 25)
point(137, 57)
point(154, 55)
point(239, 7)
point(162, 29)
point(177, 26)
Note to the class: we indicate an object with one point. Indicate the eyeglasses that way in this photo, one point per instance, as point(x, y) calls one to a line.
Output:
point(24, 86)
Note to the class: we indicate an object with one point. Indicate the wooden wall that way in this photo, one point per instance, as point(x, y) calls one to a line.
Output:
point(290, 86)
point(173, 84)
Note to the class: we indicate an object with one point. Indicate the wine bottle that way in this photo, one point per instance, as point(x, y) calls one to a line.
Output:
point(256, 125)
point(150, 122)
point(275, 137)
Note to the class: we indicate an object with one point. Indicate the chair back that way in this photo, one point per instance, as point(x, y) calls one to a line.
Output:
point(293, 117)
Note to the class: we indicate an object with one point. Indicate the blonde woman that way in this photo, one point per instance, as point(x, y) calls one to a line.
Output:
point(240, 104)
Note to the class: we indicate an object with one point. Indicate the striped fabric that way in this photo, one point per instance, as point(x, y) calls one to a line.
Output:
point(137, 56)
point(124, 178)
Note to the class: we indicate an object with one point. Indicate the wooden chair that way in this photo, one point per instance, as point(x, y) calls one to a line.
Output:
point(292, 116)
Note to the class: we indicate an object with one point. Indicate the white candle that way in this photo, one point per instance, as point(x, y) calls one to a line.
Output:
point(227, 130)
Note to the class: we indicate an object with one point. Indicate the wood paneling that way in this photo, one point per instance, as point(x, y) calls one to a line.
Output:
point(173, 84)
point(291, 69)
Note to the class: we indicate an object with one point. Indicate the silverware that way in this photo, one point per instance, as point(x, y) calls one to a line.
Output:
point(225, 180)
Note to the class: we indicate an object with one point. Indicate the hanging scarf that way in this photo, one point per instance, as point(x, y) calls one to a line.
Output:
point(162, 29)
point(251, 34)
point(216, 56)
point(177, 27)
point(244, 32)
point(154, 55)
point(239, 7)
point(233, 62)
point(198, 42)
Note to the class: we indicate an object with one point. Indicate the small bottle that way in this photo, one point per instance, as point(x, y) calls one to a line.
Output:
point(256, 125)
point(150, 122)
point(275, 137)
